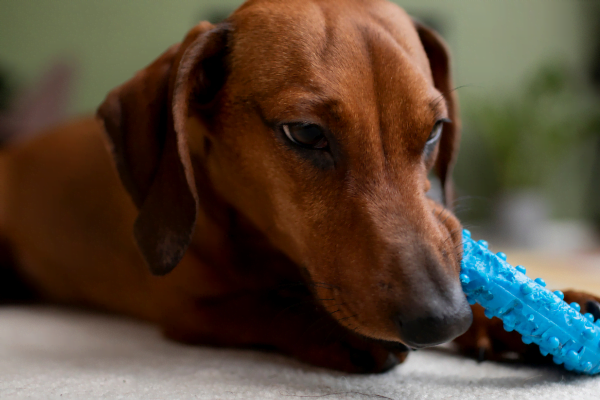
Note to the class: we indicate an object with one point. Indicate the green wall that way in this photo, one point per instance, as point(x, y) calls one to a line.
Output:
point(495, 43)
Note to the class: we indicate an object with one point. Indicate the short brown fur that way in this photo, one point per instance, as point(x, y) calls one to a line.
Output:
point(260, 243)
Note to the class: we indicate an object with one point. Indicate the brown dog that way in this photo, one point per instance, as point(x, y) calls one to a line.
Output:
point(277, 163)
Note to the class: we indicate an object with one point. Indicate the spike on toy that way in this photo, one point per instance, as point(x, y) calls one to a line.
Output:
point(525, 305)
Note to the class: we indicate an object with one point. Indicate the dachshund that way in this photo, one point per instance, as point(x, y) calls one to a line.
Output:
point(262, 183)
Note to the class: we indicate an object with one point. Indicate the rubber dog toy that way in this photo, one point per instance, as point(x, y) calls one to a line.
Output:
point(526, 306)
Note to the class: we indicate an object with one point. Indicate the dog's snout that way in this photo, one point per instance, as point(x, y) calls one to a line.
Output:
point(434, 329)
point(434, 322)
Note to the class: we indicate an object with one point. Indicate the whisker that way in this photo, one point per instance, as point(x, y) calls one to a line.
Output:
point(459, 246)
point(448, 238)
point(471, 226)
point(441, 212)
point(325, 322)
point(461, 208)
point(453, 231)
point(469, 197)
point(465, 86)
point(330, 319)
point(435, 102)
point(446, 219)
point(345, 318)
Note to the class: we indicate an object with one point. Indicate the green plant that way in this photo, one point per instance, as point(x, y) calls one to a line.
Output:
point(541, 138)
point(527, 136)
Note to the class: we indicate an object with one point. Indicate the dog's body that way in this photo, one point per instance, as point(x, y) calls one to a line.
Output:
point(324, 247)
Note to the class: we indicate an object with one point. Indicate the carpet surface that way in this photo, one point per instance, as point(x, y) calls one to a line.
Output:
point(48, 353)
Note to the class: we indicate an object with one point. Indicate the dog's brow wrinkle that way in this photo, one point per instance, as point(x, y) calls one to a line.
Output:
point(382, 23)
point(325, 50)
point(391, 63)
point(367, 35)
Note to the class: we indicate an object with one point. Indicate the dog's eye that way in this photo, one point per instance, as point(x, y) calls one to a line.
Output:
point(436, 132)
point(434, 137)
point(305, 135)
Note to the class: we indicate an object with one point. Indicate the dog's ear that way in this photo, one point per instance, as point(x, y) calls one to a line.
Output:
point(439, 60)
point(145, 121)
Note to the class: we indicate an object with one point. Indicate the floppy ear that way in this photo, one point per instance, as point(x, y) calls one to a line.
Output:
point(439, 60)
point(145, 122)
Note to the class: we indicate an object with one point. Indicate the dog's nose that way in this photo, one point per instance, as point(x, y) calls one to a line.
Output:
point(435, 321)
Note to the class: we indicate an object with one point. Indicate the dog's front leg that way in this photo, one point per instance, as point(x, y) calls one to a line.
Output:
point(294, 326)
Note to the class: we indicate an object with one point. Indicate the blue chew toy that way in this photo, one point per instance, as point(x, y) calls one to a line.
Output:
point(542, 317)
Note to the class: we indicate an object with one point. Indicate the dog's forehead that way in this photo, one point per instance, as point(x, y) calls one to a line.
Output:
point(362, 60)
point(285, 41)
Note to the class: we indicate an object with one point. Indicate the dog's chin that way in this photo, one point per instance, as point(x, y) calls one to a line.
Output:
point(397, 347)
point(390, 345)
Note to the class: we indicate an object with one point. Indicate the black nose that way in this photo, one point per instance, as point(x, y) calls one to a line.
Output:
point(435, 321)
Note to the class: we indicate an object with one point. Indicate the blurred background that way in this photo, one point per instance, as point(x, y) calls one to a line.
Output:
point(527, 74)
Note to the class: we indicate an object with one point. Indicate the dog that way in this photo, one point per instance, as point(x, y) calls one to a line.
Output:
point(262, 183)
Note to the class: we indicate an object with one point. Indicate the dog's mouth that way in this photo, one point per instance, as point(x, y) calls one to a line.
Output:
point(419, 316)
point(401, 290)
point(397, 346)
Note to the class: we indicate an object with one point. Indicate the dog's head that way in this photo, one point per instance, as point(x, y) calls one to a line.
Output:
point(319, 121)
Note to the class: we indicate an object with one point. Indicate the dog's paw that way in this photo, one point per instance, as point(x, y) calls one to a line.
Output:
point(588, 303)
point(486, 340)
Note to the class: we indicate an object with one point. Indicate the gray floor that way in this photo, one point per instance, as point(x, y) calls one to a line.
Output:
point(52, 353)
